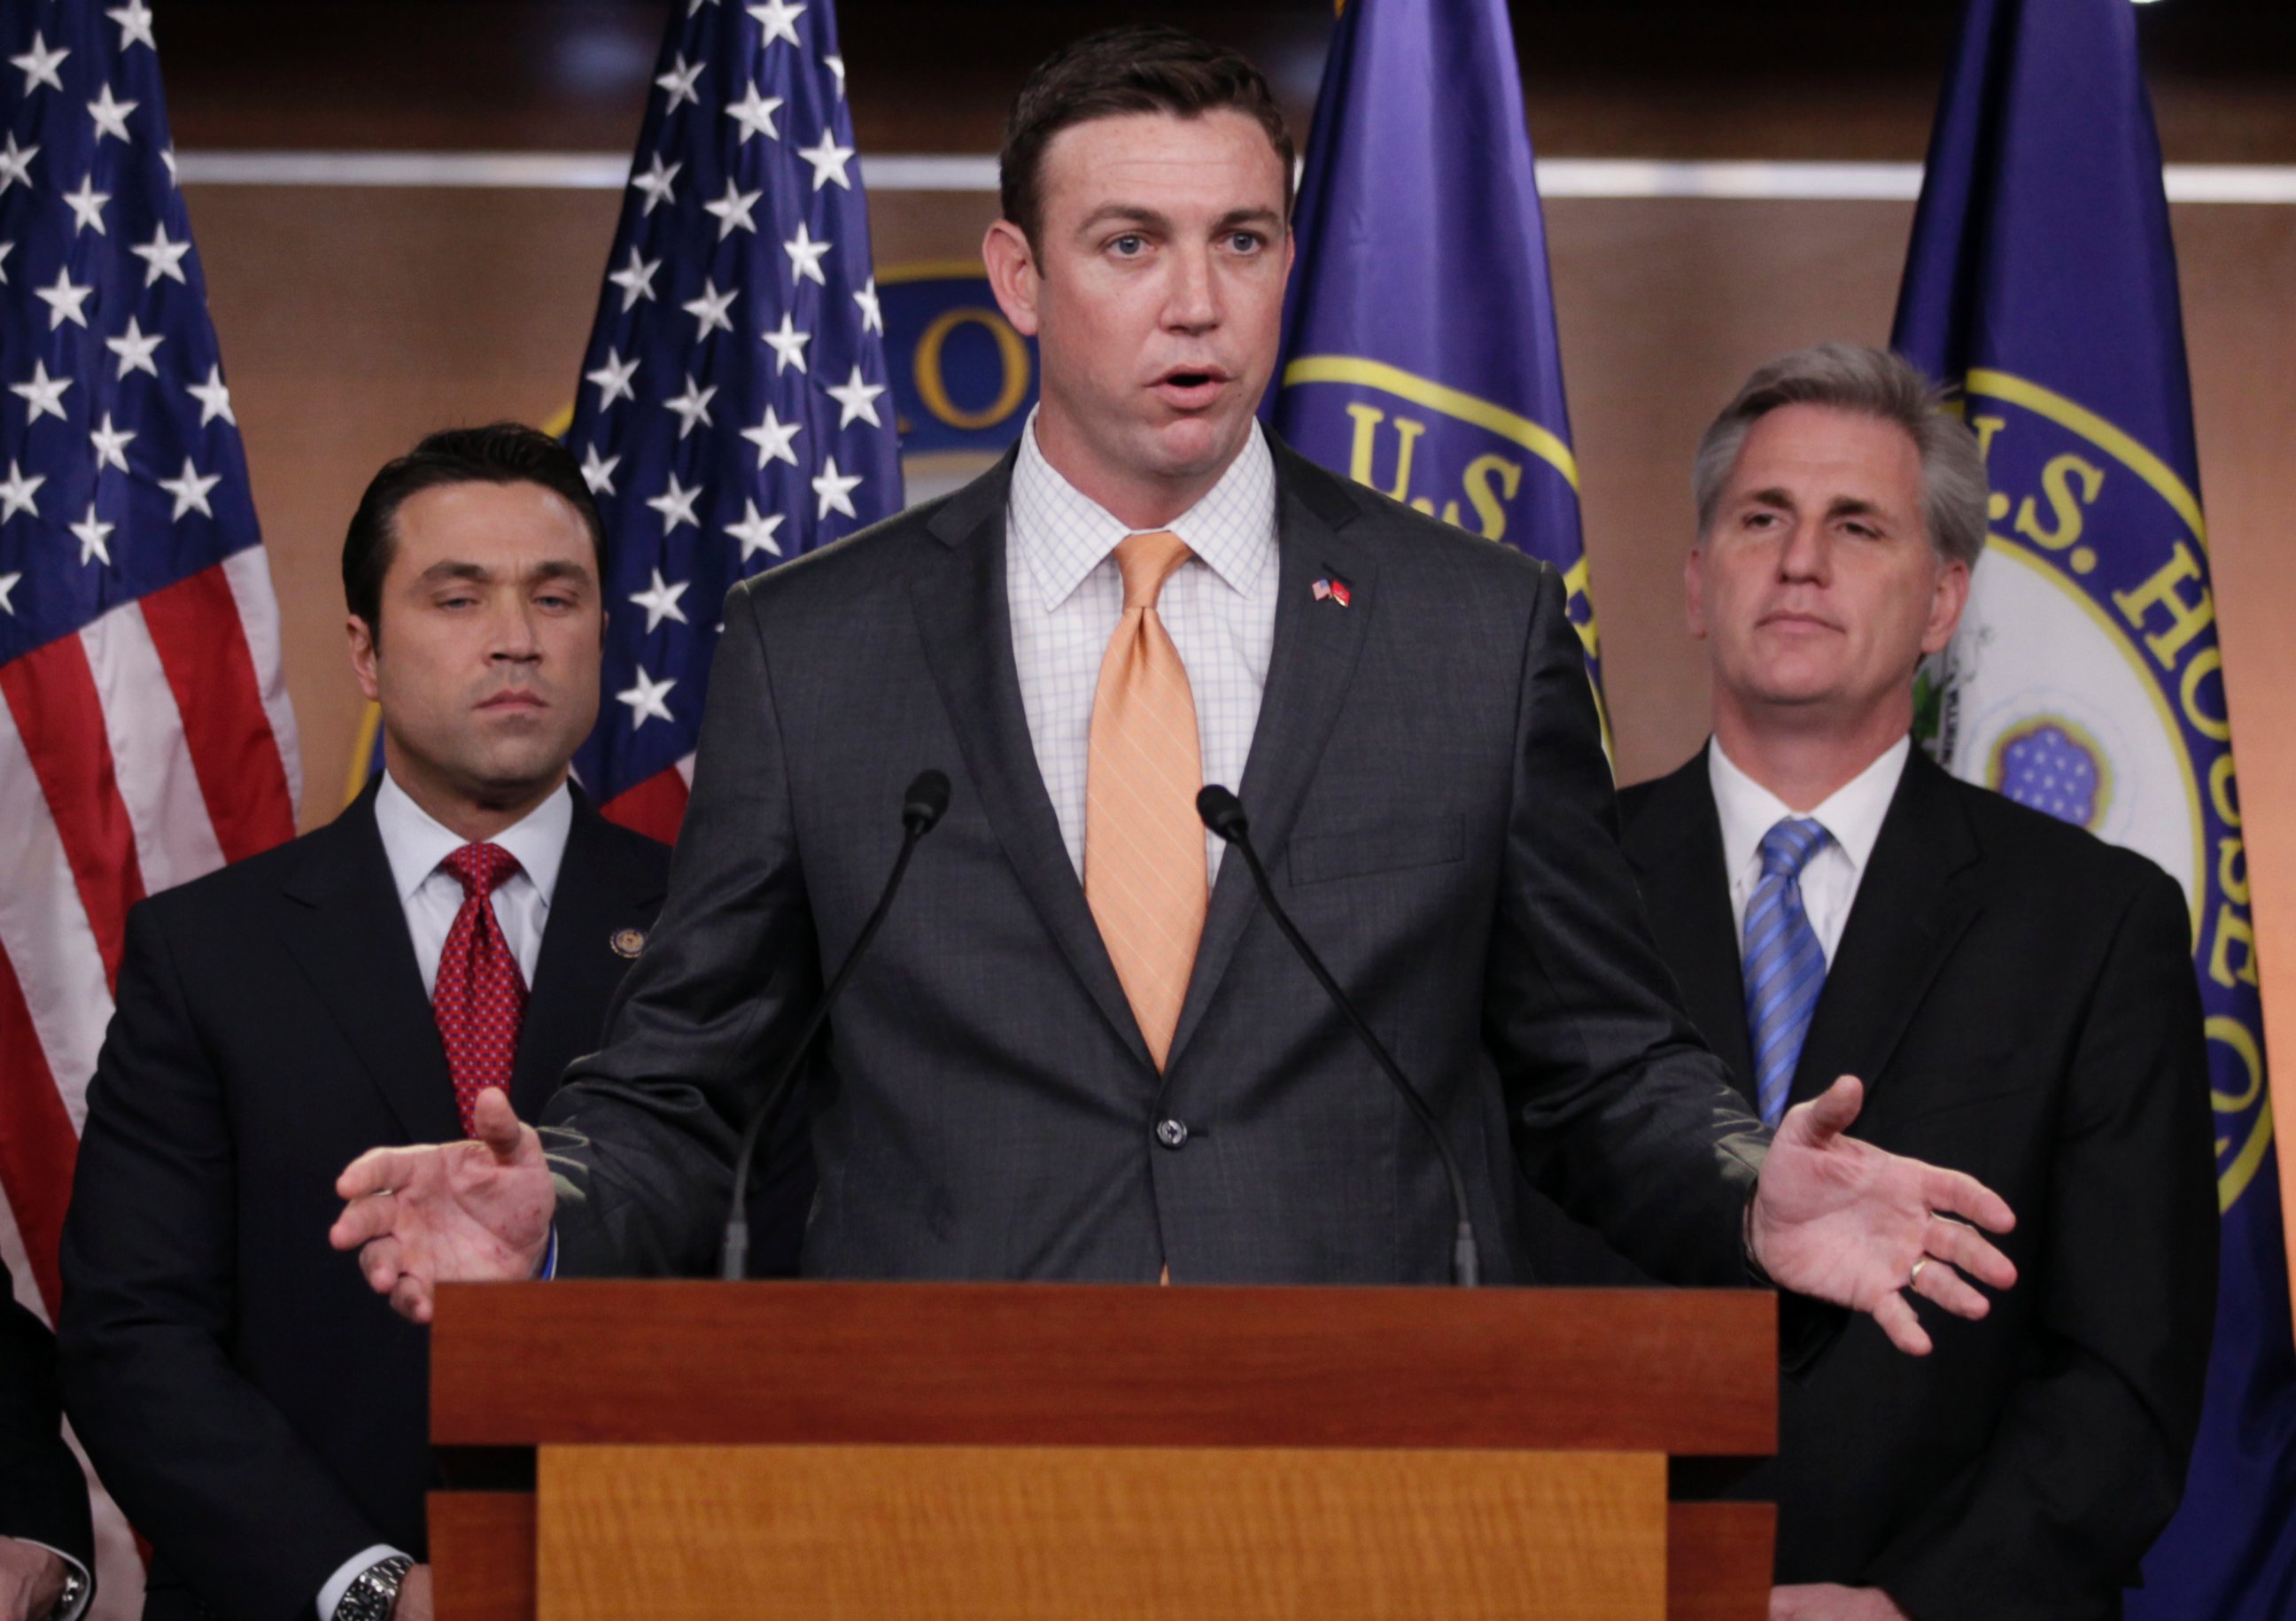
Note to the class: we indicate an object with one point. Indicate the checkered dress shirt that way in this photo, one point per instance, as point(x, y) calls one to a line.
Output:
point(1067, 595)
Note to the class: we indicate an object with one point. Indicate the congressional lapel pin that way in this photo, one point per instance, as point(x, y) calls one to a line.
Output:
point(627, 942)
point(1333, 588)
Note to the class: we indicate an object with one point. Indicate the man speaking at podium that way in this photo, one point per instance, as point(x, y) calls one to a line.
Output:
point(1078, 1049)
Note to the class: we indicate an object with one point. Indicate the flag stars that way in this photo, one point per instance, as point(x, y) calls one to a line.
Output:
point(835, 489)
point(756, 531)
point(190, 490)
point(7, 591)
point(93, 537)
point(679, 82)
point(659, 601)
point(872, 313)
point(214, 400)
point(135, 20)
point(613, 378)
point(15, 162)
point(17, 490)
point(43, 396)
point(645, 698)
point(754, 112)
point(164, 257)
point(40, 65)
point(6, 249)
point(691, 408)
point(733, 210)
point(805, 256)
point(134, 346)
point(772, 438)
point(676, 505)
point(836, 64)
point(111, 116)
point(87, 205)
point(856, 398)
point(708, 310)
point(110, 445)
point(636, 279)
point(788, 345)
point(657, 184)
point(779, 18)
point(63, 300)
point(828, 160)
point(599, 474)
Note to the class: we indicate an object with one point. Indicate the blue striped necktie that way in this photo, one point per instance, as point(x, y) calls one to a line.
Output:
point(1784, 965)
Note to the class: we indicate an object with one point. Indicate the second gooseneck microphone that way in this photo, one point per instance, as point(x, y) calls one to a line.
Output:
point(922, 806)
point(1223, 813)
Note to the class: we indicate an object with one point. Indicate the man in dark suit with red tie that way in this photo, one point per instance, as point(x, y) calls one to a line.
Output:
point(260, 1417)
point(2018, 995)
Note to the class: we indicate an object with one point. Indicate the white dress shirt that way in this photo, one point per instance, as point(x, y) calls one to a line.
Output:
point(414, 843)
point(1067, 595)
point(1853, 814)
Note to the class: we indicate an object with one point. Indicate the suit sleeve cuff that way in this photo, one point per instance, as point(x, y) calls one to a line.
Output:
point(332, 1594)
point(86, 1578)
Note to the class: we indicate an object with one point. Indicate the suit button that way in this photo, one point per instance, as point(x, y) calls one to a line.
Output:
point(1172, 1133)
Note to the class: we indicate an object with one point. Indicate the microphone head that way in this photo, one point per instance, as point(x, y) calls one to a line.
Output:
point(1222, 812)
point(925, 802)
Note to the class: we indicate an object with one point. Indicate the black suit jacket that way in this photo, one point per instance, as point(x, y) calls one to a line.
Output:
point(1427, 786)
point(43, 1496)
point(258, 1412)
point(2019, 999)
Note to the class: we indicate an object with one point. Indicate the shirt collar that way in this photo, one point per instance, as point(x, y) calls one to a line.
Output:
point(1853, 813)
point(414, 843)
point(1062, 535)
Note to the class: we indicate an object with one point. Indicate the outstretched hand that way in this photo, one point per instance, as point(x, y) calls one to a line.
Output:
point(473, 1211)
point(1846, 1222)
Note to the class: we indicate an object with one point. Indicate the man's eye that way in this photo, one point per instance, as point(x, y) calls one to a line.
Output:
point(1129, 246)
point(457, 602)
point(1247, 241)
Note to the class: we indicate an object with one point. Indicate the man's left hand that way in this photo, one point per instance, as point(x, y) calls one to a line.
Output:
point(1824, 1601)
point(31, 1580)
point(1844, 1221)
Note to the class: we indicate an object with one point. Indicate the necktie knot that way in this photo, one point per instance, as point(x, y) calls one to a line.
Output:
point(1787, 848)
point(480, 867)
point(1147, 562)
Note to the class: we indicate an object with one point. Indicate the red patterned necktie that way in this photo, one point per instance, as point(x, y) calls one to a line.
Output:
point(480, 996)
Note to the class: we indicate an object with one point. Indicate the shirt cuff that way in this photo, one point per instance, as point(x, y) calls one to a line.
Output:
point(86, 1578)
point(549, 1267)
point(348, 1572)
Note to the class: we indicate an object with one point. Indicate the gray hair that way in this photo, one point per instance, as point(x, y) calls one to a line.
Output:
point(1870, 383)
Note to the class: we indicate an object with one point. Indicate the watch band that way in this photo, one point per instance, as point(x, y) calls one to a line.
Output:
point(373, 1593)
point(75, 1585)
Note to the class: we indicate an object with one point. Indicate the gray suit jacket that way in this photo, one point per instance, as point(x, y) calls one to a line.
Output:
point(1428, 788)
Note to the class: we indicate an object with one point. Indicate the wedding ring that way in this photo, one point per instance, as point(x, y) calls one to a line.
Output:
point(1913, 1278)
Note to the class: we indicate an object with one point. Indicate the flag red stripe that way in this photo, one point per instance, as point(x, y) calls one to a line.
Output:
point(202, 645)
point(38, 1145)
point(52, 694)
point(654, 807)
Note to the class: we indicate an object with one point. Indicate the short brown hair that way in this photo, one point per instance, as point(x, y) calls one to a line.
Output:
point(1867, 382)
point(1126, 70)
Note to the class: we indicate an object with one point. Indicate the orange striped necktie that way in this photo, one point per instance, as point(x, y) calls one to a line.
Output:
point(1144, 875)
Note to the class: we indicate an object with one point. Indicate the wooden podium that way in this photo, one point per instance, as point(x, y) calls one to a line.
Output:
point(850, 1449)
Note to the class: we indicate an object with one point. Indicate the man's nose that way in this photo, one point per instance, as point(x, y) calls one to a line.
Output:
point(1190, 302)
point(516, 637)
point(1807, 553)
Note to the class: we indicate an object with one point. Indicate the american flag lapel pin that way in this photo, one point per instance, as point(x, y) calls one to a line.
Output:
point(1333, 588)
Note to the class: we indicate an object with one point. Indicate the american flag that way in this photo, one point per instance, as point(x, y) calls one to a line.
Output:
point(146, 737)
point(735, 407)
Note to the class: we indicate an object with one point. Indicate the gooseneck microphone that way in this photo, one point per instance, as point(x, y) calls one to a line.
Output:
point(1223, 813)
point(922, 806)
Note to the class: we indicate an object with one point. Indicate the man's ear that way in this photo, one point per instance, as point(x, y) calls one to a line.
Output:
point(1946, 603)
point(1013, 274)
point(364, 651)
point(1694, 590)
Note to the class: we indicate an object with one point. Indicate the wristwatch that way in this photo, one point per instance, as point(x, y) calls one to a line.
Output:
point(373, 1593)
point(75, 1584)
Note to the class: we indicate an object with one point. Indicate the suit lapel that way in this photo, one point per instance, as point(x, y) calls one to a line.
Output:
point(964, 616)
point(1676, 848)
point(596, 899)
point(346, 930)
point(1918, 896)
point(1310, 666)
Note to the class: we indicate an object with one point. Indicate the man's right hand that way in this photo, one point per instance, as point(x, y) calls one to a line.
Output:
point(414, 1596)
point(475, 1211)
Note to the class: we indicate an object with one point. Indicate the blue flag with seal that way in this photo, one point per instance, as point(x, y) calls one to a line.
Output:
point(1419, 352)
point(2086, 678)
